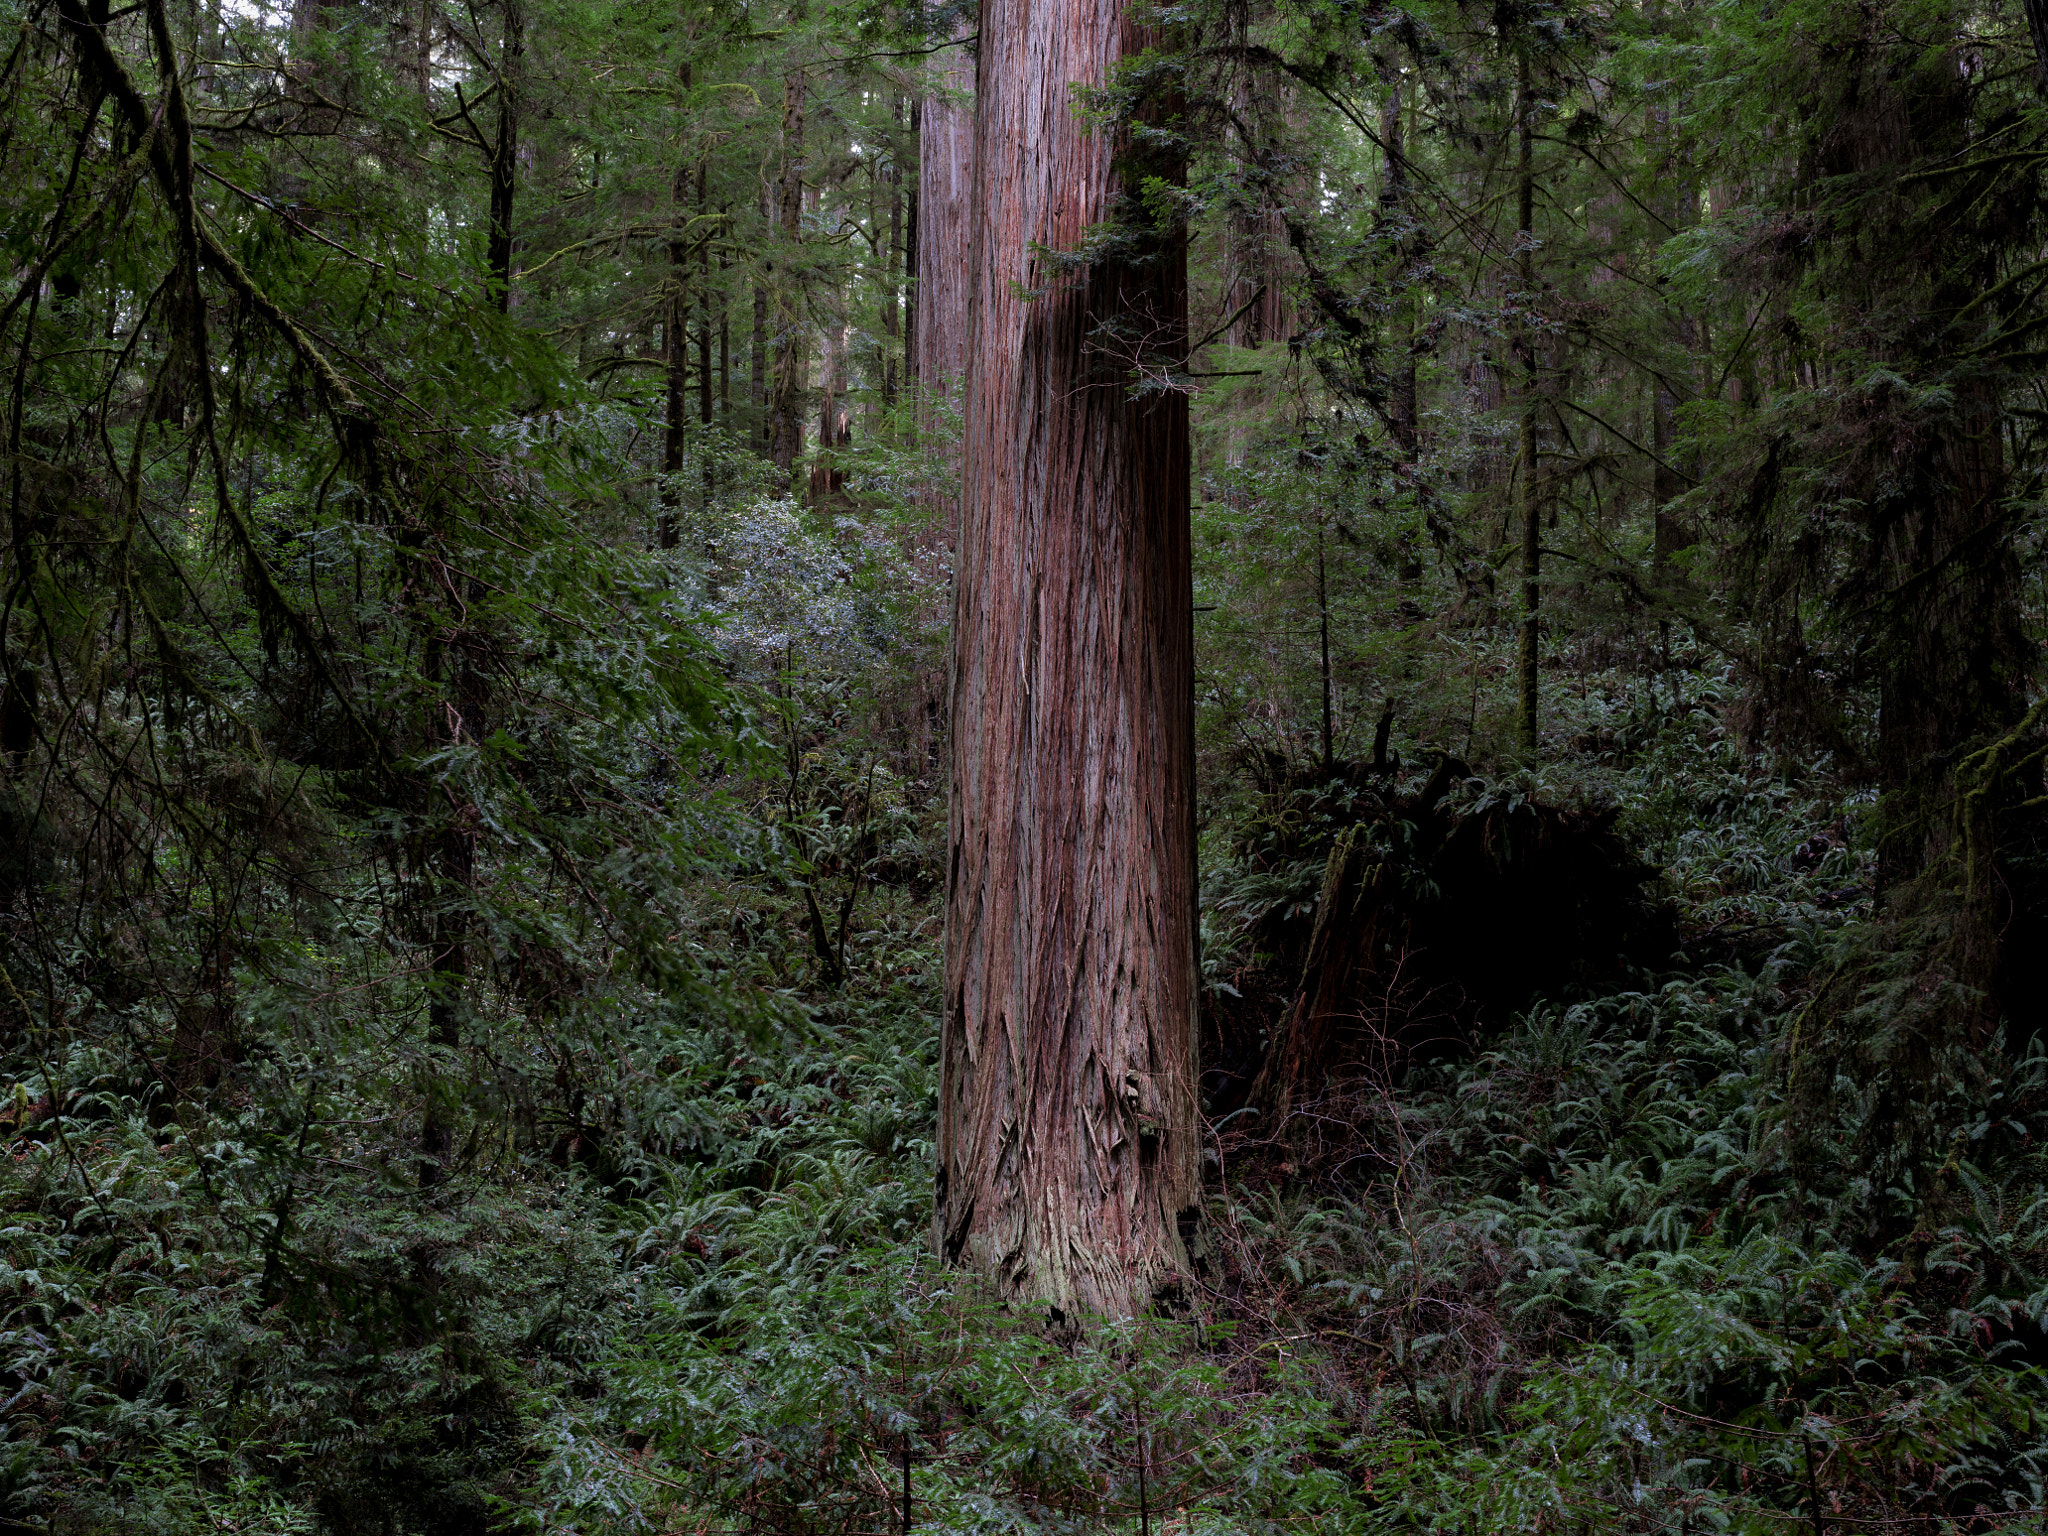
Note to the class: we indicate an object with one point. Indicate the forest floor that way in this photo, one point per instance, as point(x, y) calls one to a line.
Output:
point(1588, 1271)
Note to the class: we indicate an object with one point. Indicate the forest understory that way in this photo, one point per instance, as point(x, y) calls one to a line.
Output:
point(1547, 1248)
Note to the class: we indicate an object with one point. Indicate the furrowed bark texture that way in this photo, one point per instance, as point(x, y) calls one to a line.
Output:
point(1069, 1148)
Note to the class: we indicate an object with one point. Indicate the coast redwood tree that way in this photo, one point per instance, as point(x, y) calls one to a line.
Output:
point(1068, 1145)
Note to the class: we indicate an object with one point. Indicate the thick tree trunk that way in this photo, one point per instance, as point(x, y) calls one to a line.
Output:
point(1069, 1148)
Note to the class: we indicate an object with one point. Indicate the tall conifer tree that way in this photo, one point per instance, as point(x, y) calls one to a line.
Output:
point(1068, 1141)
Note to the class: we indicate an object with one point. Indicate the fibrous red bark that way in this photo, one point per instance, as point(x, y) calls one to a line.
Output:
point(1069, 1157)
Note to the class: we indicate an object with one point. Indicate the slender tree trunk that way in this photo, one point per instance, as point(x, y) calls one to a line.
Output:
point(206, 31)
point(910, 262)
point(1323, 626)
point(945, 200)
point(675, 347)
point(452, 879)
point(703, 299)
point(1665, 488)
point(1069, 1147)
point(505, 159)
point(785, 410)
point(892, 323)
point(1669, 534)
point(1666, 485)
point(940, 235)
point(757, 367)
point(757, 353)
point(1527, 482)
point(306, 16)
point(831, 376)
point(1402, 411)
point(423, 47)
point(447, 987)
point(1404, 418)
point(1253, 296)
point(316, 86)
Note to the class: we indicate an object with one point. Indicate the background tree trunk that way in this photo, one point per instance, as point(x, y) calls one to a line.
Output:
point(704, 294)
point(939, 233)
point(1068, 1144)
point(1403, 418)
point(1954, 648)
point(1530, 504)
point(890, 297)
point(675, 349)
point(831, 378)
point(785, 408)
point(2037, 32)
point(505, 160)
point(910, 243)
point(423, 47)
point(945, 191)
point(1254, 295)
point(757, 355)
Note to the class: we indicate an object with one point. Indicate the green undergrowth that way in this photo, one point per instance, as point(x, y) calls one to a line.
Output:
point(1574, 1281)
